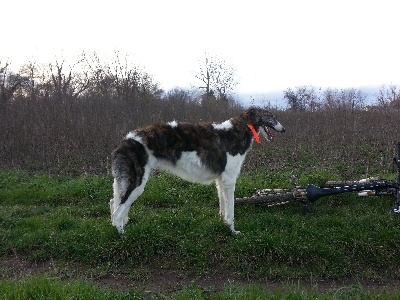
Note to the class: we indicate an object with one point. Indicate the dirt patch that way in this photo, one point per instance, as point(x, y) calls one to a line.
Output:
point(142, 278)
point(16, 267)
point(167, 281)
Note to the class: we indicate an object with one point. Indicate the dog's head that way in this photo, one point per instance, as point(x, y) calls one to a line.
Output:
point(263, 120)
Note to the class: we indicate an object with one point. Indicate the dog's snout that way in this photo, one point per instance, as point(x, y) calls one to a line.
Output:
point(278, 127)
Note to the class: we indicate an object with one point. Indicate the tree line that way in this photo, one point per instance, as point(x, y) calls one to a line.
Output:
point(119, 80)
point(116, 79)
point(309, 98)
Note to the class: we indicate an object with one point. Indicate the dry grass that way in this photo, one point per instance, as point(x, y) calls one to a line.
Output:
point(77, 137)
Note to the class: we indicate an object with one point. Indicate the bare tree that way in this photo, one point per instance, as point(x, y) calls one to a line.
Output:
point(302, 98)
point(67, 84)
point(394, 96)
point(388, 97)
point(10, 82)
point(344, 98)
point(329, 98)
point(119, 78)
point(30, 71)
point(217, 76)
point(352, 98)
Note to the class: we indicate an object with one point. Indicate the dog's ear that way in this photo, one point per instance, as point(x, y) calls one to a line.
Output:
point(253, 115)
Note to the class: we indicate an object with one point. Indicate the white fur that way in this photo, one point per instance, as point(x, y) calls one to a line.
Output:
point(132, 135)
point(189, 167)
point(226, 183)
point(278, 127)
point(223, 126)
point(173, 123)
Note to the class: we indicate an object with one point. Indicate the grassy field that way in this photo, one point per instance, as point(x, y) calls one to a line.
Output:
point(56, 238)
point(44, 288)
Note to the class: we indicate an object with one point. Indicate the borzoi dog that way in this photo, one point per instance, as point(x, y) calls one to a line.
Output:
point(203, 153)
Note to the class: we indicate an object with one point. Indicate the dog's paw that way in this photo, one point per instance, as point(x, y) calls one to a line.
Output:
point(112, 205)
point(235, 232)
point(120, 230)
point(119, 224)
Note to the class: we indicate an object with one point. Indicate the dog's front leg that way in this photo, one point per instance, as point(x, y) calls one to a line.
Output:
point(222, 199)
point(230, 214)
point(226, 193)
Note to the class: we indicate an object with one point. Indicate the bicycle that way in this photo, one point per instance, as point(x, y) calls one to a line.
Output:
point(373, 186)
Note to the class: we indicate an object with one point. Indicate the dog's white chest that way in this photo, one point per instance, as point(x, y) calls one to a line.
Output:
point(189, 167)
point(233, 164)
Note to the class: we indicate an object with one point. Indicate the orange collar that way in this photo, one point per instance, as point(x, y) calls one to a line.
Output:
point(253, 131)
point(255, 134)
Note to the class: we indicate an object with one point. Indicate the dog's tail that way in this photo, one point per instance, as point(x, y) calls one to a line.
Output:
point(128, 167)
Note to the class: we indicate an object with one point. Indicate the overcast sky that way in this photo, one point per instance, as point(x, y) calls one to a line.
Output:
point(272, 45)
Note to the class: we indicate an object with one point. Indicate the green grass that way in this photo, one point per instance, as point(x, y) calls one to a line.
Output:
point(175, 225)
point(42, 287)
point(51, 288)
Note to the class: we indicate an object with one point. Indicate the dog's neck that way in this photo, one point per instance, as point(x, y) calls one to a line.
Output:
point(253, 130)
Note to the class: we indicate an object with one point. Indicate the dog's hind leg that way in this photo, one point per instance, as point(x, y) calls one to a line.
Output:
point(120, 214)
point(131, 166)
point(121, 190)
